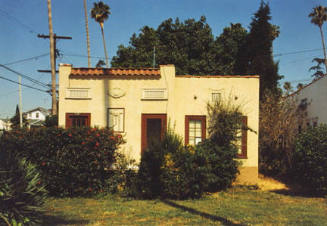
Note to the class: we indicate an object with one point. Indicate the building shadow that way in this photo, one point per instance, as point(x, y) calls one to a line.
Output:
point(294, 189)
point(58, 220)
point(208, 216)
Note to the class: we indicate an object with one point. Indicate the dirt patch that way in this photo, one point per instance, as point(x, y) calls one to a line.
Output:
point(269, 184)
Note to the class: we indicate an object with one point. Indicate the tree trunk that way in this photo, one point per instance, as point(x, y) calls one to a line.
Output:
point(53, 64)
point(104, 46)
point(87, 35)
point(323, 46)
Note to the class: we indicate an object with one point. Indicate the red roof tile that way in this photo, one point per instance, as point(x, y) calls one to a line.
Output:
point(115, 72)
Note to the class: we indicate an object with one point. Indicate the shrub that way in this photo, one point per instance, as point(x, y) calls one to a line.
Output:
point(220, 161)
point(310, 159)
point(170, 170)
point(72, 162)
point(51, 121)
point(21, 194)
point(279, 121)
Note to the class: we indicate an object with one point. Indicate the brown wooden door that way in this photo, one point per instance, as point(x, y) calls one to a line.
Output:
point(153, 128)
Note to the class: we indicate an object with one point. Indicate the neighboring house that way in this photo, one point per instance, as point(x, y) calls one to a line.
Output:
point(36, 117)
point(5, 124)
point(37, 114)
point(141, 103)
point(312, 99)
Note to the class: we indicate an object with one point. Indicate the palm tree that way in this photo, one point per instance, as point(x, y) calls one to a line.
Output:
point(318, 17)
point(100, 12)
point(87, 35)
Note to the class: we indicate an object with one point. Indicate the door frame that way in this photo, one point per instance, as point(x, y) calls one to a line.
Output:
point(144, 118)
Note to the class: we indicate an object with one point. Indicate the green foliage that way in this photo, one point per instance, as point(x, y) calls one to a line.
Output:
point(279, 120)
point(16, 121)
point(51, 121)
point(220, 163)
point(310, 159)
point(189, 45)
point(76, 161)
point(225, 122)
point(256, 55)
point(21, 194)
point(170, 170)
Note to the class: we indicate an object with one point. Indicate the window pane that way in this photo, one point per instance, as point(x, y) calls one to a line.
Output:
point(195, 132)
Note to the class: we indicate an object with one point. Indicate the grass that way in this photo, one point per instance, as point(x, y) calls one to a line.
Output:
point(237, 206)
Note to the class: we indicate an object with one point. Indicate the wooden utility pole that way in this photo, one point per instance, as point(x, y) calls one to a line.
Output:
point(53, 63)
point(20, 102)
point(87, 35)
point(53, 78)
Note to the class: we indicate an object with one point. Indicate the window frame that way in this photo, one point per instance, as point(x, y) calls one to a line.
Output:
point(108, 118)
point(201, 118)
point(69, 122)
point(244, 139)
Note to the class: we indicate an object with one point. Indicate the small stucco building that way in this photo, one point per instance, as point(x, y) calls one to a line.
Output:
point(141, 103)
point(312, 97)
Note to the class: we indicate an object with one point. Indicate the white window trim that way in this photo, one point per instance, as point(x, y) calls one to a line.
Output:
point(69, 96)
point(162, 90)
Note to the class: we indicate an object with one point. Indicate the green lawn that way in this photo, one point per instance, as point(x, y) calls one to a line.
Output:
point(237, 206)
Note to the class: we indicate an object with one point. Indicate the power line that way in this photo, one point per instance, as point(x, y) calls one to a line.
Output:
point(25, 76)
point(29, 28)
point(22, 84)
point(79, 55)
point(296, 52)
point(27, 59)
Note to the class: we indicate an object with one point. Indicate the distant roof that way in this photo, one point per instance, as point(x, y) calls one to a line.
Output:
point(41, 109)
point(115, 72)
point(305, 86)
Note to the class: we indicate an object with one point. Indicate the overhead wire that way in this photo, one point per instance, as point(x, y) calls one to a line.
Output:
point(26, 59)
point(29, 28)
point(25, 76)
point(9, 80)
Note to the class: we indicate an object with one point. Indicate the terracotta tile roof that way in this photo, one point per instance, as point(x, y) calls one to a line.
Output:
point(115, 72)
point(217, 76)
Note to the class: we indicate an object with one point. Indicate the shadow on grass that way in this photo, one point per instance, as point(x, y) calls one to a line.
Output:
point(222, 220)
point(296, 192)
point(294, 189)
point(58, 220)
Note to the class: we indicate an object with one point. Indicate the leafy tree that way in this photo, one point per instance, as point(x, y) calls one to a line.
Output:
point(100, 13)
point(317, 68)
point(256, 55)
point(100, 64)
point(189, 45)
point(318, 17)
point(288, 87)
point(228, 45)
point(15, 119)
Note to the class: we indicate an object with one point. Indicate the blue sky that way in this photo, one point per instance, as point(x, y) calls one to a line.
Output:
point(21, 20)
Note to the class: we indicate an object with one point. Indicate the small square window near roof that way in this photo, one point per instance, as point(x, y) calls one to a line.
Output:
point(215, 96)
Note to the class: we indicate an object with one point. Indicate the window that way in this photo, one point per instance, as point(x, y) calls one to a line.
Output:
point(78, 93)
point(215, 96)
point(116, 119)
point(242, 152)
point(154, 94)
point(37, 115)
point(195, 129)
point(78, 120)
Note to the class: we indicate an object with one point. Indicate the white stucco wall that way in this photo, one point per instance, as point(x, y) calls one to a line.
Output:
point(316, 95)
point(186, 96)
